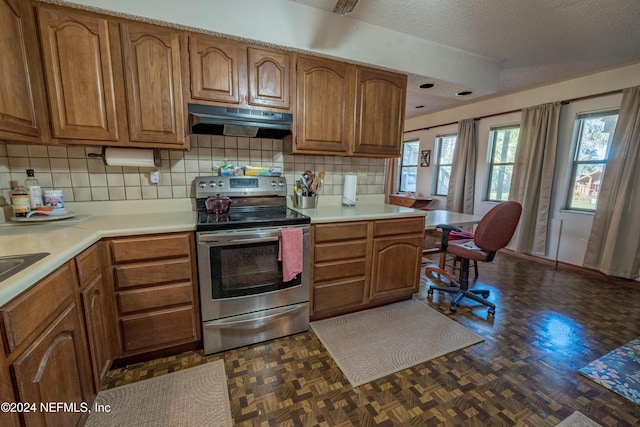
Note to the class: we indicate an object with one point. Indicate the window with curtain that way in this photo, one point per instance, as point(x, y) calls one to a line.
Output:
point(592, 137)
point(445, 144)
point(503, 143)
point(408, 167)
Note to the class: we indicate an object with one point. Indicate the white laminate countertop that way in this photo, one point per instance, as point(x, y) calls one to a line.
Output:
point(359, 212)
point(64, 239)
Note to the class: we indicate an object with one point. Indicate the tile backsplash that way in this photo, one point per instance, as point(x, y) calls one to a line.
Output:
point(82, 178)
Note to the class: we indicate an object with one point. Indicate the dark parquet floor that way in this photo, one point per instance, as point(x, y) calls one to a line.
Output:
point(549, 323)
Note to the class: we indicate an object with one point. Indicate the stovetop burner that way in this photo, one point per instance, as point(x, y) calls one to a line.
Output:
point(256, 201)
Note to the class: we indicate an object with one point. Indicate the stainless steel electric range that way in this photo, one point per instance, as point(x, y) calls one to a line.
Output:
point(243, 297)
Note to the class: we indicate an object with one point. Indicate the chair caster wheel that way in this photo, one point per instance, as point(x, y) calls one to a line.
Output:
point(430, 292)
point(453, 308)
point(492, 312)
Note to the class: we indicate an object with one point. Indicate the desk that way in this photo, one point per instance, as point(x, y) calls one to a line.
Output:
point(436, 217)
point(409, 201)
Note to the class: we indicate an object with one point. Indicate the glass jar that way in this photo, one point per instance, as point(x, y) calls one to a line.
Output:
point(20, 201)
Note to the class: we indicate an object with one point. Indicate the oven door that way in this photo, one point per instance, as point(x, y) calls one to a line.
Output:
point(240, 272)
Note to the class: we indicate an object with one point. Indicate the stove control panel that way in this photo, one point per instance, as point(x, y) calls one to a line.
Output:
point(240, 186)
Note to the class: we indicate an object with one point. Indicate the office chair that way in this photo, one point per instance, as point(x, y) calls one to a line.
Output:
point(494, 232)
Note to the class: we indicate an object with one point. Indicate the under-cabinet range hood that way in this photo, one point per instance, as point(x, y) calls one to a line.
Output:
point(214, 120)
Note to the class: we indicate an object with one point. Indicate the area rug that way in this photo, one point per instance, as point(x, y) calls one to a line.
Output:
point(373, 343)
point(619, 370)
point(578, 419)
point(192, 397)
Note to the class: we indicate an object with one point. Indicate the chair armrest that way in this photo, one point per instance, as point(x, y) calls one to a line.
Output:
point(446, 229)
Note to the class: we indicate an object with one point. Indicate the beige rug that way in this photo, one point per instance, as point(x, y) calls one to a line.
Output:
point(192, 397)
point(578, 419)
point(371, 344)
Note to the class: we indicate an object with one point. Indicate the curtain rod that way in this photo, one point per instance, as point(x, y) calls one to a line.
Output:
point(566, 101)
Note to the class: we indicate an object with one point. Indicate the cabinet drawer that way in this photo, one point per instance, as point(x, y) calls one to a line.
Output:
point(147, 248)
point(333, 296)
point(398, 226)
point(153, 298)
point(339, 251)
point(339, 270)
point(152, 273)
point(88, 263)
point(157, 329)
point(342, 231)
point(26, 313)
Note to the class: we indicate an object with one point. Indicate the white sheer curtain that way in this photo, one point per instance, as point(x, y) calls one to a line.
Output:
point(614, 243)
point(532, 179)
point(463, 171)
point(390, 178)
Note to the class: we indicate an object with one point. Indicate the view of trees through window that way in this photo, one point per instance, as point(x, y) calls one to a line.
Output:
point(445, 145)
point(504, 142)
point(594, 135)
point(409, 166)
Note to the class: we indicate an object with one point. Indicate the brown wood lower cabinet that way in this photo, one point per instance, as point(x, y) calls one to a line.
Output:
point(48, 359)
point(155, 286)
point(361, 264)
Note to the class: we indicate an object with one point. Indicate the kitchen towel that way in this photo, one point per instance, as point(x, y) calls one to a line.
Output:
point(290, 253)
point(138, 157)
point(349, 190)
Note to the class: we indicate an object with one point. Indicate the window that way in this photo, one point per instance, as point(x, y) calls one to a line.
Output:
point(593, 133)
point(504, 141)
point(445, 144)
point(409, 166)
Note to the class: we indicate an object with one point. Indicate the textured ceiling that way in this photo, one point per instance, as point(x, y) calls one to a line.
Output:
point(537, 41)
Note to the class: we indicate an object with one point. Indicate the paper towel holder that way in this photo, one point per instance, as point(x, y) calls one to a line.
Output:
point(157, 162)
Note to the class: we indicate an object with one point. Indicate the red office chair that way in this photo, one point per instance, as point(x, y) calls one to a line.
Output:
point(494, 232)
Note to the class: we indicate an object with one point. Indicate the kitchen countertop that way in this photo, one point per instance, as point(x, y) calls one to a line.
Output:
point(64, 239)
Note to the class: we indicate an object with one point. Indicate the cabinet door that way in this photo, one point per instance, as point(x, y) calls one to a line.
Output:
point(396, 266)
point(7, 419)
point(53, 369)
point(151, 60)
point(22, 111)
point(99, 320)
point(269, 78)
point(325, 91)
point(79, 74)
point(215, 66)
point(380, 105)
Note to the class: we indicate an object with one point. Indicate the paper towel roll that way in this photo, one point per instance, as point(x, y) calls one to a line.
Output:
point(137, 157)
point(349, 190)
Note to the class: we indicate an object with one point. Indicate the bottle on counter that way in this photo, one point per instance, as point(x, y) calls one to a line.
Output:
point(20, 201)
point(33, 187)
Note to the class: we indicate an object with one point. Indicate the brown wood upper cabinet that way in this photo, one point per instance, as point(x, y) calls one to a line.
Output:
point(22, 109)
point(226, 72)
point(112, 82)
point(325, 105)
point(345, 109)
point(380, 105)
point(218, 69)
point(79, 73)
point(151, 56)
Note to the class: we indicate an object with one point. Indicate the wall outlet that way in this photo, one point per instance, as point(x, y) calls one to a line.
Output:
point(154, 177)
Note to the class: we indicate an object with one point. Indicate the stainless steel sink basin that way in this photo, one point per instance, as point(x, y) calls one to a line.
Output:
point(11, 264)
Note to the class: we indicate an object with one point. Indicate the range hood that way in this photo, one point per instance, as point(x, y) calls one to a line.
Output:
point(229, 121)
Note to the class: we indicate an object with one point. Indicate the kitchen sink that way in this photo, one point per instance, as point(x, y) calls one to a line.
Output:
point(11, 264)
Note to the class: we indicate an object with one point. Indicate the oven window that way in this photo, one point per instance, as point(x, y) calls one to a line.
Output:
point(247, 270)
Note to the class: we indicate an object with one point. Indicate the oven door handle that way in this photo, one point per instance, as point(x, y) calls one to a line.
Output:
point(255, 320)
point(216, 241)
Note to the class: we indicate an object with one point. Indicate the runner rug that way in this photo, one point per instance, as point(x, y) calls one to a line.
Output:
point(191, 397)
point(619, 370)
point(373, 343)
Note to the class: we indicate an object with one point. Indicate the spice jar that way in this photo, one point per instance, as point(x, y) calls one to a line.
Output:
point(20, 201)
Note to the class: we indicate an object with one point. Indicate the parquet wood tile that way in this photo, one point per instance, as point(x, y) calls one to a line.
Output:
point(549, 322)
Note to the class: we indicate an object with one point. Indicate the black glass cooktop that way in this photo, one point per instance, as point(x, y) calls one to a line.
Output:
point(272, 216)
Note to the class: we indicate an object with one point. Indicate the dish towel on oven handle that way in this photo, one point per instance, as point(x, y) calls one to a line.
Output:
point(290, 253)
